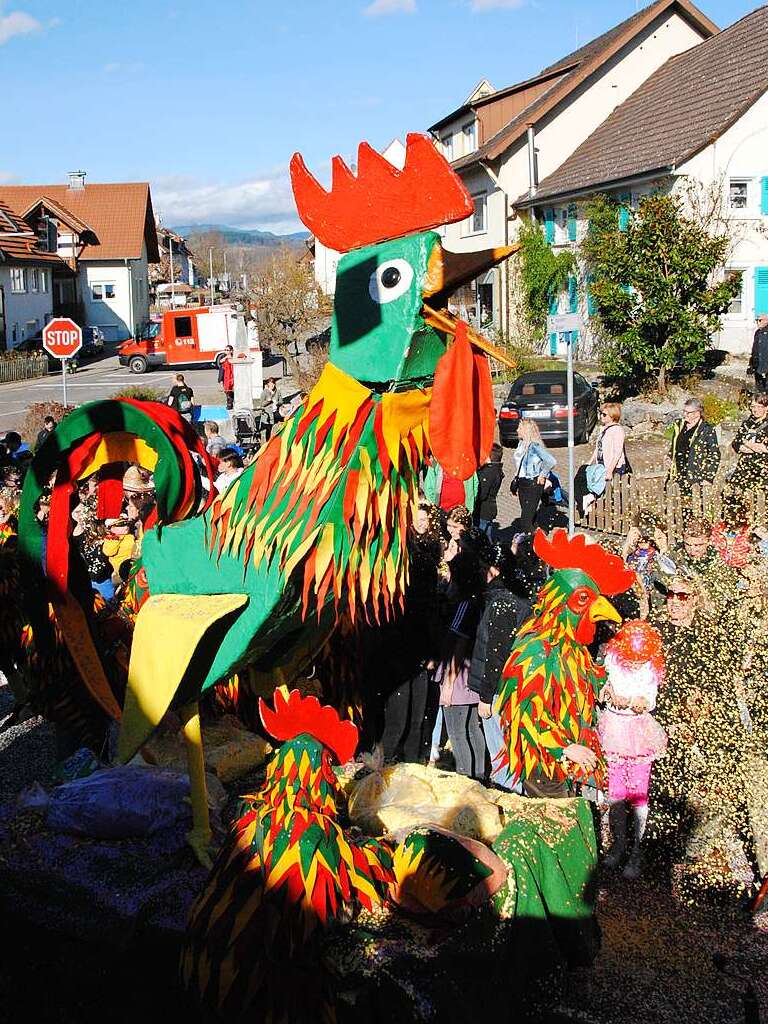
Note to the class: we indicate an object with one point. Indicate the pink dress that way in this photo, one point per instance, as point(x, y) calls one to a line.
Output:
point(625, 735)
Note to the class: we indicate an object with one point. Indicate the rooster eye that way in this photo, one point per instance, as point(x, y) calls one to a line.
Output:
point(579, 599)
point(390, 281)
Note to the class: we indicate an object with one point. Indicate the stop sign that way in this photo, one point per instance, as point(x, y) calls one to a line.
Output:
point(62, 338)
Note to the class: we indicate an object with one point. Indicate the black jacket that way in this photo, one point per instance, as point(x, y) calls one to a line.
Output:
point(489, 479)
point(503, 616)
point(703, 454)
point(758, 361)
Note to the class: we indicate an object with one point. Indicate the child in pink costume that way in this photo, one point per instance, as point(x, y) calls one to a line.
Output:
point(630, 736)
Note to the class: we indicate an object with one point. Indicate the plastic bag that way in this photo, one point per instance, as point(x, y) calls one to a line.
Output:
point(120, 803)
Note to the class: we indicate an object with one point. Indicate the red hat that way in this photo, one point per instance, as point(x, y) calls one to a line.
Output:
point(637, 643)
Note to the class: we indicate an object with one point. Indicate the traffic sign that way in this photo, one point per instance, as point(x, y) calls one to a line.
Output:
point(62, 338)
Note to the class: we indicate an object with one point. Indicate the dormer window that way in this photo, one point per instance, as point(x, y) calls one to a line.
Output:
point(469, 131)
point(448, 146)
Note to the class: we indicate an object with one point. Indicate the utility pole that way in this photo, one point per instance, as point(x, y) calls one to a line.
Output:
point(226, 277)
point(173, 291)
point(210, 261)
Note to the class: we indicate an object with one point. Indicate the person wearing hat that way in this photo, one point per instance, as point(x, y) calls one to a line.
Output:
point(502, 617)
point(139, 492)
point(758, 360)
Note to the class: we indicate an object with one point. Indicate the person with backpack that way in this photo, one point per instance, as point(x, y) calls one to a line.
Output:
point(489, 477)
point(180, 397)
point(609, 459)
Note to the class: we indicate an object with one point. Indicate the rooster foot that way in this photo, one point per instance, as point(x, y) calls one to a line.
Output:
point(200, 842)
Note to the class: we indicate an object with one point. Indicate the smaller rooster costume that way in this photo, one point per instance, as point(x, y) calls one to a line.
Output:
point(630, 736)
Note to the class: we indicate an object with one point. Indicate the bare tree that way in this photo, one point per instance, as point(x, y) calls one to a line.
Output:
point(288, 302)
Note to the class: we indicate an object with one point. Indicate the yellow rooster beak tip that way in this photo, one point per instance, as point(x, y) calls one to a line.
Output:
point(602, 610)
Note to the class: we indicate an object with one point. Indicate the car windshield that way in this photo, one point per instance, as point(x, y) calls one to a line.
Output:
point(149, 331)
point(538, 388)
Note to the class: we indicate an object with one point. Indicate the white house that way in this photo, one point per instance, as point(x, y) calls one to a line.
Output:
point(26, 280)
point(502, 142)
point(325, 259)
point(106, 234)
point(698, 124)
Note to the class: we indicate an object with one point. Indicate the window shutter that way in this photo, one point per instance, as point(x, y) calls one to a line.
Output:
point(574, 339)
point(573, 296)
point(591, 304)
point(554, 305)
point(572, 222)
point(761, 290)
point(549, 226)
point(764, 196)
point(625, 201)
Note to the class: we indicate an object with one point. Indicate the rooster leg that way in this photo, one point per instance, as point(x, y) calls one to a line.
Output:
point(200, 836)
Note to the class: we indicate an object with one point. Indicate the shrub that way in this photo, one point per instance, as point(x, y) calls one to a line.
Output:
point(718, 409)
point(140, 393)
point(36, 413)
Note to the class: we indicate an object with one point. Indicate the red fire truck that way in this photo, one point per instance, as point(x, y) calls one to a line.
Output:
point(184, 337)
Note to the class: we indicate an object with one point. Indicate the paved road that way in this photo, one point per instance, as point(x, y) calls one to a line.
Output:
point(101, 379)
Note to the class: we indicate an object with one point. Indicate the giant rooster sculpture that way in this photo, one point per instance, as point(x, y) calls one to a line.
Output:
point(317, 525)
point(287, 872)
point(546, 695)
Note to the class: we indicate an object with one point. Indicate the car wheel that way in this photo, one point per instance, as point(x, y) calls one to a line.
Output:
point(138, 364)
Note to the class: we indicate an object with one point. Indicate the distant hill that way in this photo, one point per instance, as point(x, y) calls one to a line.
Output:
point(238, 236)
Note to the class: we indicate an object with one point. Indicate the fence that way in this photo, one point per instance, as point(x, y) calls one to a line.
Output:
point(23, 366)
point(614, 511)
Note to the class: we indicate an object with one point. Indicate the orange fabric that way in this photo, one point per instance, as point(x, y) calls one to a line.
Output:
point(461, 416)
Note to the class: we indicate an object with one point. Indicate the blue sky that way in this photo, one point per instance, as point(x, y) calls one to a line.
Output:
point(208, 101)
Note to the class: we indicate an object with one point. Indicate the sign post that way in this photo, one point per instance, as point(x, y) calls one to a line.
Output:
point(565, 324)
point(62, 338)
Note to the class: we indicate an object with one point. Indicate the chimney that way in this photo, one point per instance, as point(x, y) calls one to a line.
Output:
point(532, 174)
point(76, 181)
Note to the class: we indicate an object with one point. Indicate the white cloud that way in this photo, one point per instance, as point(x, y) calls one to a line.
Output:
point(17, 23)
point(265, 203)
point(379, 7)
point(493, 5)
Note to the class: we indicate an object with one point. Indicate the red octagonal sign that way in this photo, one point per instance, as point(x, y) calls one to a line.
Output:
point(62, 338)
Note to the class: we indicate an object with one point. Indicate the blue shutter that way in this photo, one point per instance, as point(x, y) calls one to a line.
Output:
point(761, 290)
point(553, 344)
point(549, 226)
point(573, 296)
point(572, 222)
point(554, 305)
point(625, 201)
point(574, 340)
point(591, 304)
point(764, 196)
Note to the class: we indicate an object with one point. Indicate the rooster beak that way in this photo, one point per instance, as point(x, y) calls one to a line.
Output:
point(603, 611)
point(448, 271)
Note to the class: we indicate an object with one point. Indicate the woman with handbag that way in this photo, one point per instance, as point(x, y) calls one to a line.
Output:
point(608, 459)
point(457, 701)
point(534, 464)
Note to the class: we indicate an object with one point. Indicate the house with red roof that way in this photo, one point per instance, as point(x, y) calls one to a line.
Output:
point(105, 237)
point(27, 269)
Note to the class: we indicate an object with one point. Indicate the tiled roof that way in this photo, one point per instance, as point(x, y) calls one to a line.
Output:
point(582, 63)
point(119, 215)
point(18, 244)
point(683, 107)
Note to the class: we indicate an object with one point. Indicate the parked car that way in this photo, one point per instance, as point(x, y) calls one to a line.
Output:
point(542, 395)
point(35, 344)
point(93, 345)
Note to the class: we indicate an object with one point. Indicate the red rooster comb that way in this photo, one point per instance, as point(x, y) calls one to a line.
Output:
point(295, 714)
point(382, 202)
point(564, 552)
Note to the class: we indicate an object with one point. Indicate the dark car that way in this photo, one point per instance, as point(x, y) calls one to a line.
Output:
point(93, 345)
point(543, 395)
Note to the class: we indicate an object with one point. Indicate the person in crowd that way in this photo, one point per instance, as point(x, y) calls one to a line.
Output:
point(12, 477)
point(120, 539)
point(457, 700)
point(457, 523)
point(88, 535)
point(731, 536)
point(630, 737)
point(181, 397)
point(751, 446)
point(227, 376)
point(446, 491)
point(609, 459)
point(502, 617)
point(49, 425)
point(214, 442)
point(18, 450)
point(269, 406)
point(645, 544)
point(428, 528)
point(489, 478)
point(139, 485)
point(758, 360)
point(401, 651)
point(231, 466)
point(533, 464)
point(698, 558)
point(694, 455)
point(9, 511)
point(700, 791)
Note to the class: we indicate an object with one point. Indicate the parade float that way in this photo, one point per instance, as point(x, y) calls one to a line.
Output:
point(336, 891)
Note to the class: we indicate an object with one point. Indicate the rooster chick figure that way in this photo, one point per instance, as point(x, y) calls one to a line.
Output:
point(546, 695)
point(288, 872)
